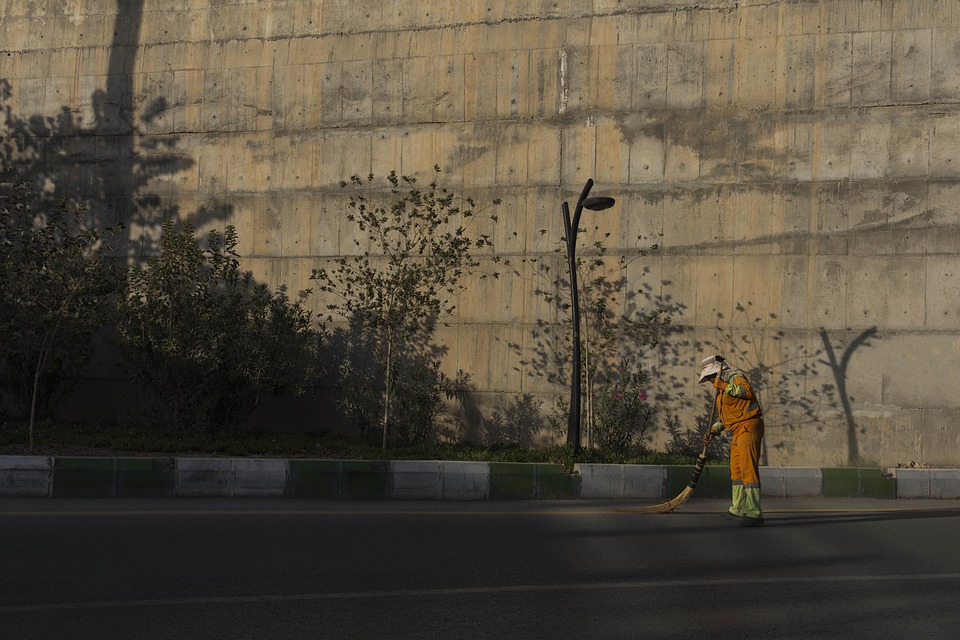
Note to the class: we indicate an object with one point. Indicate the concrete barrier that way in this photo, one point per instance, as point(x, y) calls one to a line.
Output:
point(439, 480)
point(464, 480)
point(231, 477)
point(98, 477)
point(620, 481)
point(260, 478)
point(791, 482)
point(201, 477)
point(927, 483)
point(415, 479)
point(26, 476)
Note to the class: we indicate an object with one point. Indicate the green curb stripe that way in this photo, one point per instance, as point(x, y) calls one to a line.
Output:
point(340, 479)
point(113, 477)
point(840, 483)
point(532, 481)
point(84, 477)
point(512, 481)
point(79, 477)
point(554, 484)
point(145, 477)
point(318, 479)
point(714, 481)
point(854, 482)
point(366, 480)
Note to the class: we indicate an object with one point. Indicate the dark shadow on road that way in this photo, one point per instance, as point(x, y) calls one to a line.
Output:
point(868, 516)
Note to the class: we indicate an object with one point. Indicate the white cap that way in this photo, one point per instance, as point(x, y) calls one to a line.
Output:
point(710, 366)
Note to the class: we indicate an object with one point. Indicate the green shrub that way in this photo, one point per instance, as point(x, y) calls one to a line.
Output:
point(205, 340)
point(622, 415)
point(56, 285)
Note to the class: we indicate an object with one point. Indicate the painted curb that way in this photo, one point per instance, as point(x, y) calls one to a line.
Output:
point(791, 482)
point(315, 479)
point(532, 481)
point(620, 481)
point(415, 479)
point(231, 477)
point(84, 477)
point(440, 480)
point(858, 482)
point(464, 481)
point(928, 483)
point(26, 476)
point(145, 477)
point(131, 477)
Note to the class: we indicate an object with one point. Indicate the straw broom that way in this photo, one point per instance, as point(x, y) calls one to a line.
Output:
point(670, 505)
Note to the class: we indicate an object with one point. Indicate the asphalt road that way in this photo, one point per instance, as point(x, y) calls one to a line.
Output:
point(290, 569)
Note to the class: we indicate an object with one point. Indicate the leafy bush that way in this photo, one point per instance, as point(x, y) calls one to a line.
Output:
point(207, 341)
point(419, 392)
point(688, 443)
point(622, 414)
point(56, 285)
point(120, 439)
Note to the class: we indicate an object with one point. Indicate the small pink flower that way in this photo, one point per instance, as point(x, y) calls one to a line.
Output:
point(619, 396)
point(642, 396)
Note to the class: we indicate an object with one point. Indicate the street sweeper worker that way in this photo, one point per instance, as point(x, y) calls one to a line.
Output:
point(738, 410)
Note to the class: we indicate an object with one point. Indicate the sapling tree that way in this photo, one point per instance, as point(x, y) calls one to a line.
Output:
point(618, 321)
point(56, 288)
point(415, 248)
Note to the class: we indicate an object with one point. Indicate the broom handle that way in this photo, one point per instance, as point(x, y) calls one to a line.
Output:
point(702, 458)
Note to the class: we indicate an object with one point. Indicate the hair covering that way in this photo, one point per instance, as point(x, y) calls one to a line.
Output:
point(710, 366)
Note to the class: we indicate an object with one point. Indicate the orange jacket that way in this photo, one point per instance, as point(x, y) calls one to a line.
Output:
point(736, 402)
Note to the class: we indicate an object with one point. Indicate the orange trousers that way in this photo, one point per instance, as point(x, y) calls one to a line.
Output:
point(745, 468)
point(745, 452)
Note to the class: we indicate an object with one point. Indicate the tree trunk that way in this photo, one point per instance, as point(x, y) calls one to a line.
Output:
point(36, 392)
point(389, 377)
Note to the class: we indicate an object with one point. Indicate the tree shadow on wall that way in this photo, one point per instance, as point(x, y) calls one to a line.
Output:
point(515, 423)
point(620, 324)
point(747, 347)
point(62, 162)
point(839, 367)
point(747, 342)
point(99, 160)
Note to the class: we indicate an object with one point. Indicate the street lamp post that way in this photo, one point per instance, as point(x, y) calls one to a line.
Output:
point(597, 203)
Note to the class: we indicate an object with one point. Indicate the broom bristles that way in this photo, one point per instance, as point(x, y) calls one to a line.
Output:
point(670, 505)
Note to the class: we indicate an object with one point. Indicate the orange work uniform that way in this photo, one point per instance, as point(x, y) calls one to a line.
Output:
point(738, 408)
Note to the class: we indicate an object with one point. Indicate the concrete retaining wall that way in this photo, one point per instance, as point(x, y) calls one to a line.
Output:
point(41, 476)
point(792, 161)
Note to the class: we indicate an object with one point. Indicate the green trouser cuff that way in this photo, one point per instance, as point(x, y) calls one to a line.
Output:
point(738, 507)
point(752, 502)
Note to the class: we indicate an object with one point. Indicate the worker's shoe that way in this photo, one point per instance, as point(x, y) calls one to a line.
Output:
point(747, 521)
point(729, 515)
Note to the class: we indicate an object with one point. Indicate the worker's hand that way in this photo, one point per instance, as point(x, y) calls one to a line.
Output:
point(716, 429)
point(719, 383)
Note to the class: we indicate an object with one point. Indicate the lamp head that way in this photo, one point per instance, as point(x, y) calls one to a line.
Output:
point(598, 203)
